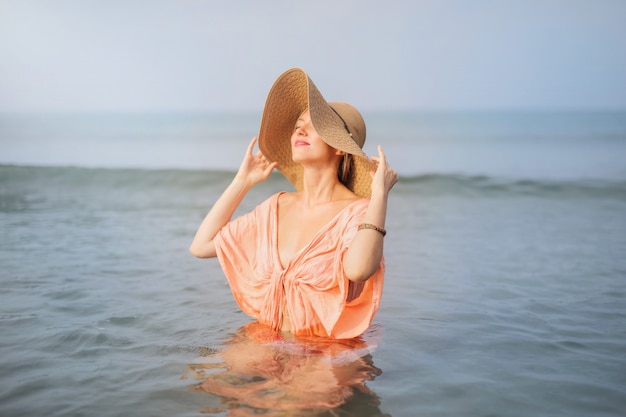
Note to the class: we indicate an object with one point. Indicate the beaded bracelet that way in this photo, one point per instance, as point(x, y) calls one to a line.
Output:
point(373, 227)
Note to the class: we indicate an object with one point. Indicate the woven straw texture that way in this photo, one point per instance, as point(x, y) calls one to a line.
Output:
point(293, 93)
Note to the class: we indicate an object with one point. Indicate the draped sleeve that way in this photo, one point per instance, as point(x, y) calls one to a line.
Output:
point(243, 249)
point(312, 288)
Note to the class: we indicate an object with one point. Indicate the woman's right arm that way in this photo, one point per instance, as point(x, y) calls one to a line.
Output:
point(254, 169)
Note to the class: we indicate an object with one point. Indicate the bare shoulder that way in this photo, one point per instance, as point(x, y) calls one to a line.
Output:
point(288, 198)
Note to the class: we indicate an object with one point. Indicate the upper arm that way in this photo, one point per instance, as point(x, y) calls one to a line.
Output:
point(206, 250)
point(362, 257)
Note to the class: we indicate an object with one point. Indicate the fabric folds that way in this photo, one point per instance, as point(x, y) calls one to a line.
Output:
point(312, 288)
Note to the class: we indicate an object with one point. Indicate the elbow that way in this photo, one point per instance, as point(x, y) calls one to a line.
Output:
point(359, 279)
point(359, 275)
point(359, 265)
point(360, 269)
point(198, 251)
point(194, 251)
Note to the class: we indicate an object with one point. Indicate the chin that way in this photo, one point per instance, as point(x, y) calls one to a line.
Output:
point(298, 158)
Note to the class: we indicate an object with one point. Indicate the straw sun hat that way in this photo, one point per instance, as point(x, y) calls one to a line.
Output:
point(340, 125)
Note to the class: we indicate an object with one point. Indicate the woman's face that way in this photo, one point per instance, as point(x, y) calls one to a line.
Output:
point(307, 145)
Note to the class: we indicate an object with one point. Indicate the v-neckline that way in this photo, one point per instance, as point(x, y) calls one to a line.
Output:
point(314, 238)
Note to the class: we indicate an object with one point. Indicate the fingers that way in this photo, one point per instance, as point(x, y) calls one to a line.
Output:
point(266, 166)
point(251, 146)
point(381, 158)
point(385, 173)
point(268, 170)
point(259, 155)
point(381, 155)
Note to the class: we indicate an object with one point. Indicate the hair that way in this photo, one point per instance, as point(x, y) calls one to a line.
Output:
point(345, 170)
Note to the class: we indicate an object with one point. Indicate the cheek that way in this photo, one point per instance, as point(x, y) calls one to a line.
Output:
point(319, 142)
point(328, 150)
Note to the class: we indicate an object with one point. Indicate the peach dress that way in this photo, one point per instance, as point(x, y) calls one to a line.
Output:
point(312, 289)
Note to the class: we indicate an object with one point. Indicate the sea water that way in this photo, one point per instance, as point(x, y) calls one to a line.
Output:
point(505, 290)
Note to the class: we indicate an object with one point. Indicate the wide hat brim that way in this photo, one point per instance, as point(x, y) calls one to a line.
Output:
point(293, 93)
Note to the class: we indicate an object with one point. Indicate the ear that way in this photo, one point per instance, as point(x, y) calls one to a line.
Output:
point(340, 153)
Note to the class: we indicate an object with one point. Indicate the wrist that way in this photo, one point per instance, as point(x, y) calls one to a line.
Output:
point(379, 194)
point(241, 183)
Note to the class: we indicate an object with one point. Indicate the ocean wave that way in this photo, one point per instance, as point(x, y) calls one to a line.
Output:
point(15, 181)
point(470, 185)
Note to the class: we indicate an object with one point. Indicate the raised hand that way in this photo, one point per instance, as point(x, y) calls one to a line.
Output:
point(254, 168)
point(384, 178)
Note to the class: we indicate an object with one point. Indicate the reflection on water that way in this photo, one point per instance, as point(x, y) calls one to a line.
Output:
point(260, 371)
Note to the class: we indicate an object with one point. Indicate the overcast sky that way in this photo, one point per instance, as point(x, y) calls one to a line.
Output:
point(204, 55)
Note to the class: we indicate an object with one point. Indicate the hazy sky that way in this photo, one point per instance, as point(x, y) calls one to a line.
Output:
point(210, 55)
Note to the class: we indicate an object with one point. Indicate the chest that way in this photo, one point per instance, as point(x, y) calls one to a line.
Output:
point(298, 227)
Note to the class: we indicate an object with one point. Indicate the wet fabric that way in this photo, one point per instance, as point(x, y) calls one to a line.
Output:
point(276, 374)
point(312, 288)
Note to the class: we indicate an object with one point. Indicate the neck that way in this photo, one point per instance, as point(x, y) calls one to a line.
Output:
point(320, 186)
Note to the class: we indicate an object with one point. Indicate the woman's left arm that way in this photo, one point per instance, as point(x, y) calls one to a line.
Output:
point(363, 257)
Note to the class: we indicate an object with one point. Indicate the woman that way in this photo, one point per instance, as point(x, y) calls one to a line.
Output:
point(308, 262)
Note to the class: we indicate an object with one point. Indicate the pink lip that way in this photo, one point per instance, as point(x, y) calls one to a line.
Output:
point(301, 143)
